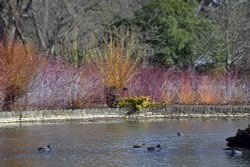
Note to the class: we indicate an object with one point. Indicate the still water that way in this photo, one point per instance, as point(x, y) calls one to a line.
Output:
point(110, 144)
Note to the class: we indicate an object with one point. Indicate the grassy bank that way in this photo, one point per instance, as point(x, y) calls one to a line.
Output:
point(173, 111)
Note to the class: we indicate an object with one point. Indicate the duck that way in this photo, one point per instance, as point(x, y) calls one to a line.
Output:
point(48, 148)
point(139, 145)
point(233, 151)
point(179, 134)
point(153, 148)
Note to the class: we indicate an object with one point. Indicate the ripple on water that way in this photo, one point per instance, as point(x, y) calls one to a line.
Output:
point(110, 144)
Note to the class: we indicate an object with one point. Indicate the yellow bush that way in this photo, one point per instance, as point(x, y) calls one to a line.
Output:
point(117, 63)
point(135, 103)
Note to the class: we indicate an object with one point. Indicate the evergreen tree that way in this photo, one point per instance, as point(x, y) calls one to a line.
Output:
point(174, 29)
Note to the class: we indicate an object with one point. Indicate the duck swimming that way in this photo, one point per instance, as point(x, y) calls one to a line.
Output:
point(152, 148)
point(48, 148)
point(179, 134)
point(139, 145)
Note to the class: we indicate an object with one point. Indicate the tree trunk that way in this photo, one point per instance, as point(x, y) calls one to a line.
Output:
point(11, 95)
point(111, 96)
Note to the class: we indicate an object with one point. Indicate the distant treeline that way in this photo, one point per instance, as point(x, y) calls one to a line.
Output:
point(199, 34)
point(79, 54)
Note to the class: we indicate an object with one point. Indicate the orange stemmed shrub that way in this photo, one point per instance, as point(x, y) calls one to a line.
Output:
point(205, 92)
point(19, 65)
point(186, 94)
point(206, 97)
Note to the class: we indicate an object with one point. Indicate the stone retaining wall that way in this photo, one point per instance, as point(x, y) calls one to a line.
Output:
point(174, 111)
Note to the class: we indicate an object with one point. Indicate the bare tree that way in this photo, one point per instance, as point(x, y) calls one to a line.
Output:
point(12, 13)
point(52, 25)
point(232, 18)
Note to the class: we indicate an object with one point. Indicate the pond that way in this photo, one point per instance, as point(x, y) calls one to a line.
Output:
point(110, 143)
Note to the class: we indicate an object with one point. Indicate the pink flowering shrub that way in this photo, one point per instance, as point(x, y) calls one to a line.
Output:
point(60, 86)
point(186, 87)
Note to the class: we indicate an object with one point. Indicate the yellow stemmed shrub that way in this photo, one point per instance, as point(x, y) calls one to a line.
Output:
point(117, 62)
point(135, 104)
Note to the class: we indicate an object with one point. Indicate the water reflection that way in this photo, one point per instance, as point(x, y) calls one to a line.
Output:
point(110, 144)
